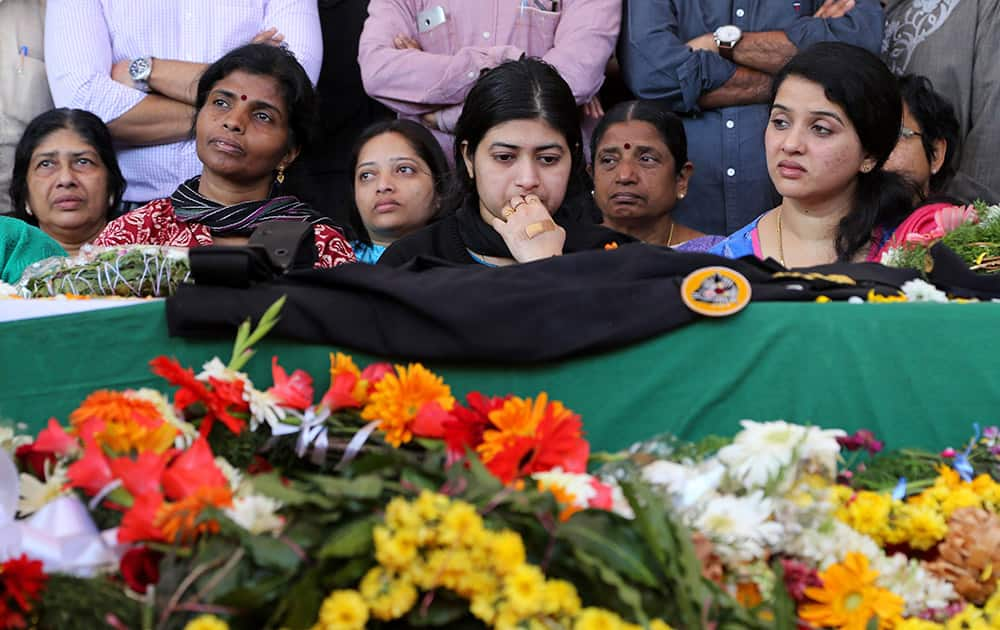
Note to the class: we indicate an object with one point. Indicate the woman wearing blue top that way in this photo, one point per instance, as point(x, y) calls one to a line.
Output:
point(399, 176)
point(836, 112)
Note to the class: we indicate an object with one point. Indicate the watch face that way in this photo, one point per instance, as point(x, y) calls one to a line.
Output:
point(729, 33)
point(139, 68)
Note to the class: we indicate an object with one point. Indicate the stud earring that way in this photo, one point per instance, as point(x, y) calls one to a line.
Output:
point(27, 209)
point(280, 178)
point(681, 195)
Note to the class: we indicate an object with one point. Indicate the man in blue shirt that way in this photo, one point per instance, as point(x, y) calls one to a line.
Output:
point(687, 54)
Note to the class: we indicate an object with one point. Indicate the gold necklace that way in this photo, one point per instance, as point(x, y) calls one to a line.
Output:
point(781, 245)
point(670, 234)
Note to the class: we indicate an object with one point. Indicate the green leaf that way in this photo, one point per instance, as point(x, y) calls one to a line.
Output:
point(350, 539)
point(444, 610)
point(363, 487)
point(783, 605)
point(419, 480)
point(271, 485)
point(300, 606)
point(272, 553)
point(626, 593)
point(592, 534)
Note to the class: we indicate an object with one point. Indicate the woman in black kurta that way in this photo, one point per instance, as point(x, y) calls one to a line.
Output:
point(520, 192)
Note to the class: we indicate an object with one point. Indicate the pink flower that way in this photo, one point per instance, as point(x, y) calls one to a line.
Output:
point(375, 372)
point(604, 497)
point(54, 439)
point(951, 218)
point(295, 391)
point(948, 452)
point(91, 472)
point(798, 577)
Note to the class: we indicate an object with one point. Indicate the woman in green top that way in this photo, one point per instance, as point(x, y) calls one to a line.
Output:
point(20, 245)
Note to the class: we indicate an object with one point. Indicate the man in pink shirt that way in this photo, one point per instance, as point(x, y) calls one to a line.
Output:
point(420, 57)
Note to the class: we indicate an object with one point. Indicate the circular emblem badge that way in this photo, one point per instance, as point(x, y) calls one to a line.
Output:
point(715, 291)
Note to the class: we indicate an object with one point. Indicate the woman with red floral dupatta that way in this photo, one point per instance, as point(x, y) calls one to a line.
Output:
point(254, 107)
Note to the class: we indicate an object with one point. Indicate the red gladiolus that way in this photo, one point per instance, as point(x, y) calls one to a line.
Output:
point(21, 583)
point(141, 475)
point(92, 472)
point(295, 391)
point(191, 470)
point(140, 568)
point(54, 439)
point(225, 394)
point(137, 524)
point(341, 393)
point(33, 459)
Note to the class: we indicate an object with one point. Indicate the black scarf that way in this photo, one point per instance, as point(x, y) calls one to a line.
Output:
point(239, 219)
point(483, 239)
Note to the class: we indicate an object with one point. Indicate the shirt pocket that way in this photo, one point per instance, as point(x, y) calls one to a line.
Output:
point(536, 29)
point(24, 90)
point(441, 38)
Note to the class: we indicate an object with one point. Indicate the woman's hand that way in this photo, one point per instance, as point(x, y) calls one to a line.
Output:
point(529, 231)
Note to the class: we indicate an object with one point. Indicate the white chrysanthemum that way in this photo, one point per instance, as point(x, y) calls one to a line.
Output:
point(687, 486)
point(8, 290)
point(35, 494)
point(917, 290)
point(10, 441)
point(576, 485)
point(908, 579)
point(264, 408)
point(740, 527)
point(186, 431)
point(256, 514)
point(762, 452)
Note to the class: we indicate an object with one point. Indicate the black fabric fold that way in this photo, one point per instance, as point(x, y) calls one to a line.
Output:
point(542, 311)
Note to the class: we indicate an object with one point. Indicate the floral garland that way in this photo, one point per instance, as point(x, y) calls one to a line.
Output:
point(389, 501)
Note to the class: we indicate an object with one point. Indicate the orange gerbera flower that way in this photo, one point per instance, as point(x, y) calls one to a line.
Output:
point(179, 521)
point(849, 598)
point(533, 436)
point(412, 396)
point(123, 423)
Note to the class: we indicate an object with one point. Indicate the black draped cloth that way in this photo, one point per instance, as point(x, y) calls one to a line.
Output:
point(546, 310)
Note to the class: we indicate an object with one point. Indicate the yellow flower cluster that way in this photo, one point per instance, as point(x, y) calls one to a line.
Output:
point(433, 543)
point(922, 520)
point(971, 618)
point(206, 622)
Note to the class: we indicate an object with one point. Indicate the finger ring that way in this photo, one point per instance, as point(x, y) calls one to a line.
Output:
point(534, 229)
point(520, 203)
point(532, 198)
point(506, 212)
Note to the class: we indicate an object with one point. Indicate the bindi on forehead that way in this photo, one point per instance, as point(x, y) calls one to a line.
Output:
point(628, 146)
point(243, 97)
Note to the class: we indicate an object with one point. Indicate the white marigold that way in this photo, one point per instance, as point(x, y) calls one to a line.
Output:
point(257, 514)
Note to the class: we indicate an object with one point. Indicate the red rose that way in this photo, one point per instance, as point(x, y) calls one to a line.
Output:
point(140, 567)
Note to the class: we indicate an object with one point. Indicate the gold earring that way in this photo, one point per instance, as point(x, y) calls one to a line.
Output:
point(280, 178)
point(680, 195)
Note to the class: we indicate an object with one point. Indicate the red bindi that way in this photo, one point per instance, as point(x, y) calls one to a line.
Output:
point(627, 146)
point(243, 97)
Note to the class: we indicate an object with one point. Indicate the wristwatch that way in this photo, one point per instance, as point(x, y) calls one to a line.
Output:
point(726, 38)
point(139, 70)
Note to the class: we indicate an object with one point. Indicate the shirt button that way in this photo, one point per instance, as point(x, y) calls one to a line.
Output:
point(188, 16)
point(472, 75)
point(730, 171)
point(486, 35)
point(730, 124)
point(740, 12)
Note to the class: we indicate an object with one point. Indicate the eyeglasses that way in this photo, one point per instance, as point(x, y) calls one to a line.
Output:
point(906, 133)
